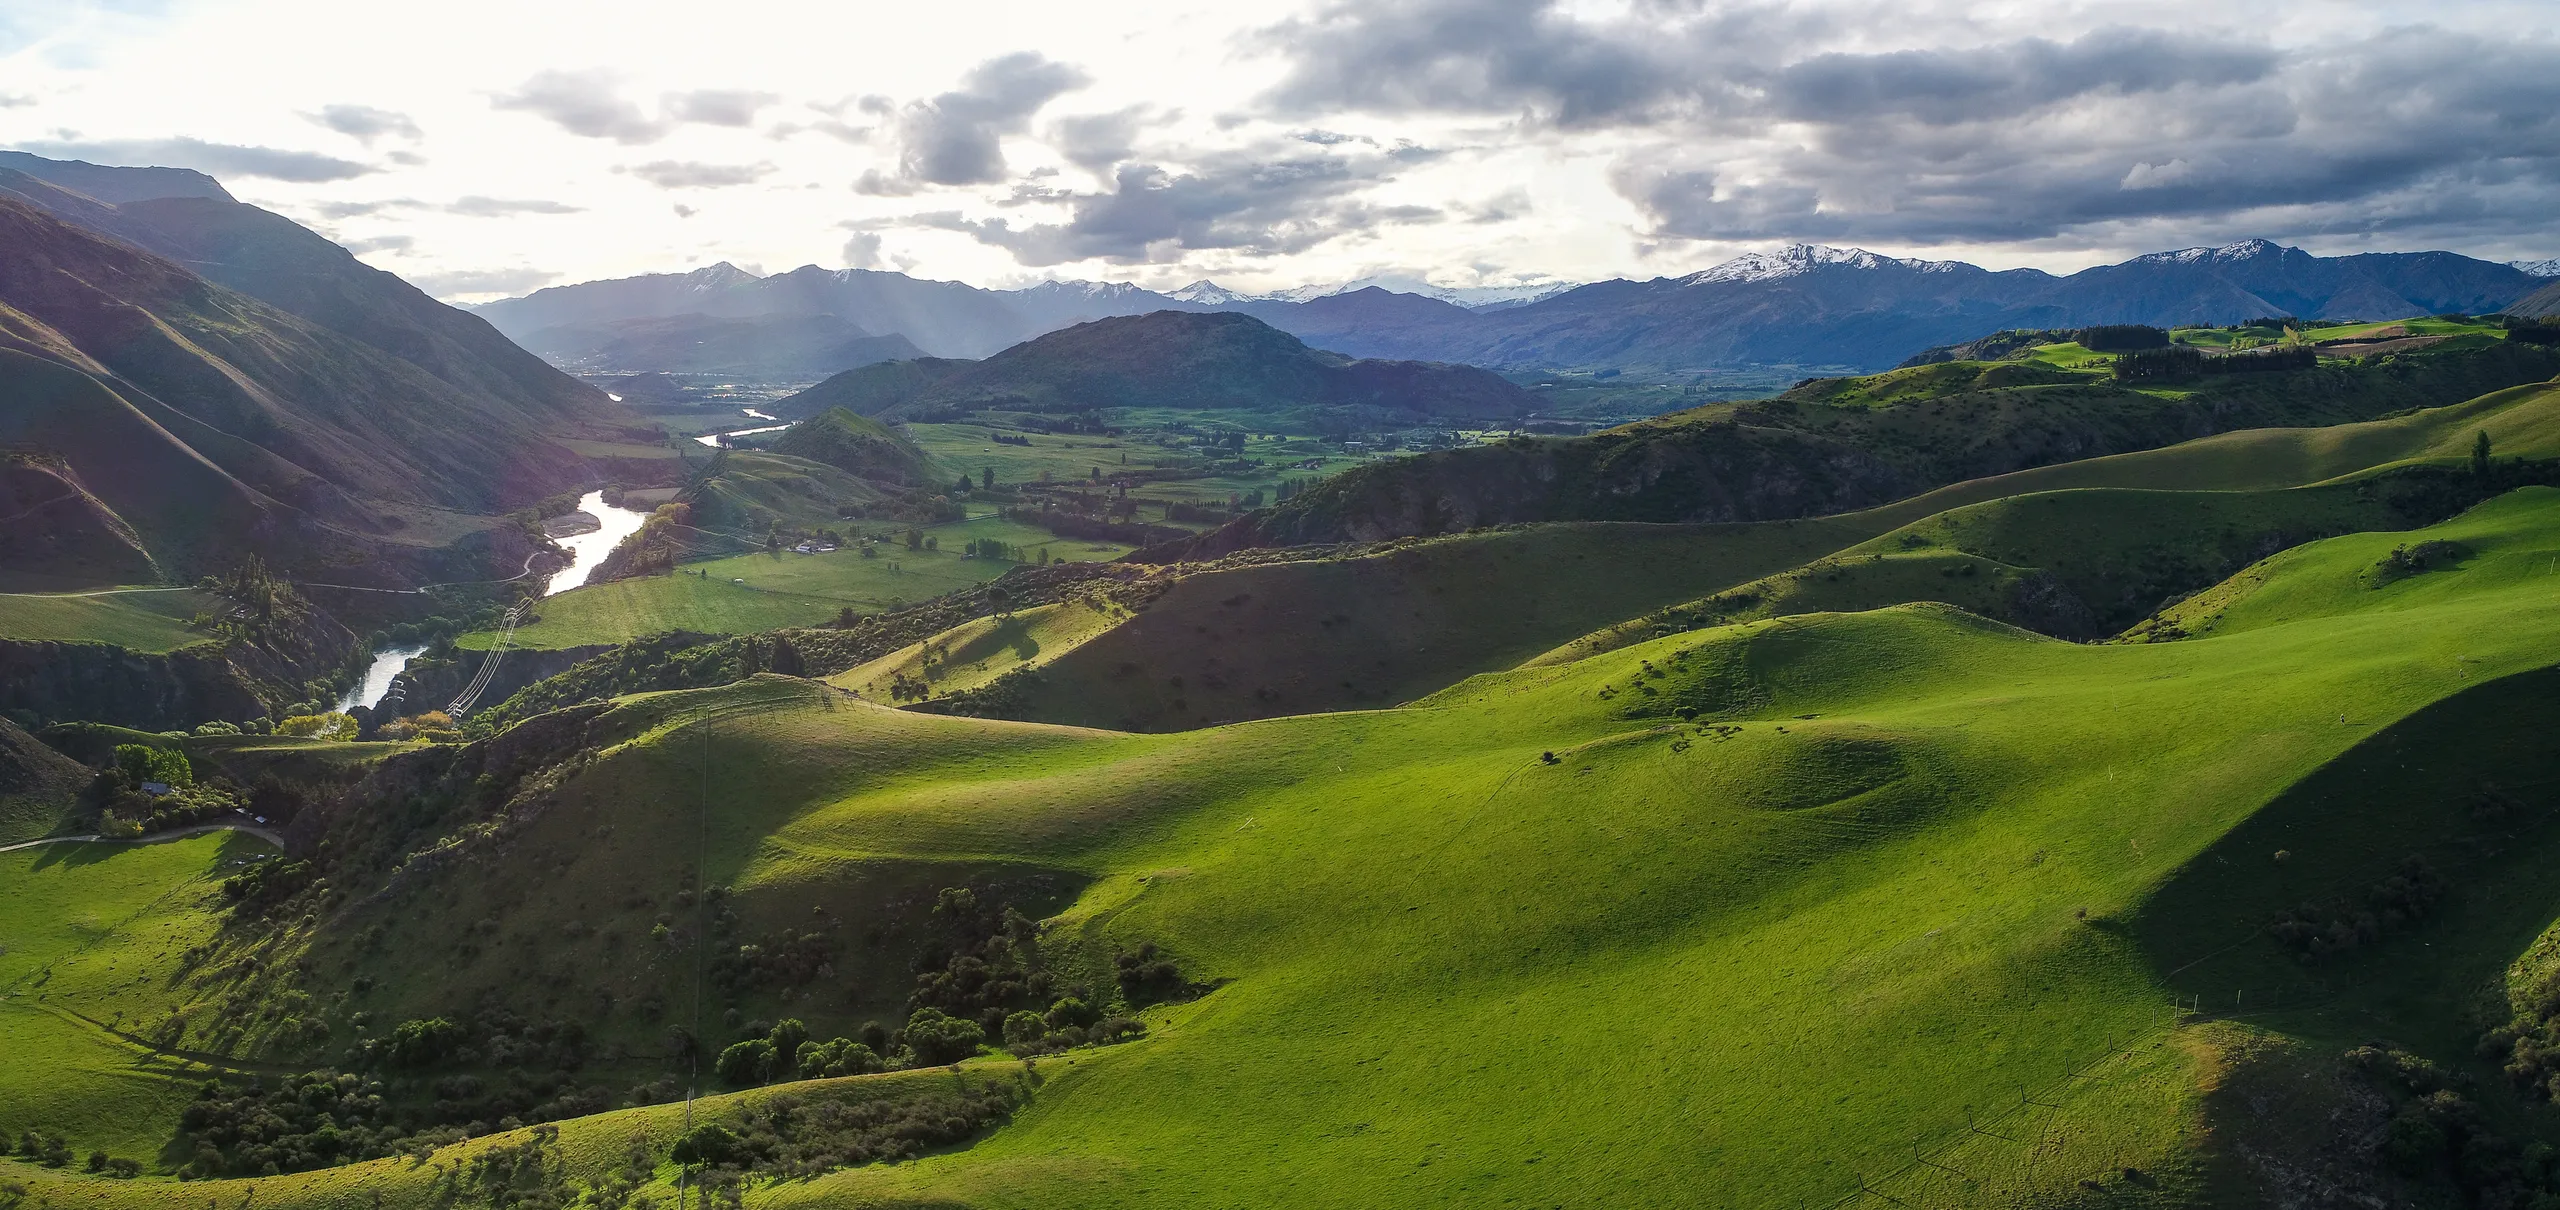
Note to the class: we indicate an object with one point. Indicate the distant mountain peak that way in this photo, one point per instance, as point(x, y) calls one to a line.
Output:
point(1795, 260)
point(1207, 293)
point(2539, 268)
point(720, 274)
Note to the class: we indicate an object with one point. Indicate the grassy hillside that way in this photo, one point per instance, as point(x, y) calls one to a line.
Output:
point(745, 594)
point(1373, 630)
point(91, 938)
point(2076, 564)
point(1905, 865)
point(1838, 445)
point(857, 445)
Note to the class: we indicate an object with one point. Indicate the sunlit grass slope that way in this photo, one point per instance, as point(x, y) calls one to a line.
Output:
point(90, 935)
point(2521, 422)
point(756, 592)
point(150, 621)
point(1332, 634)
point(976, 652)
point(1743, 965)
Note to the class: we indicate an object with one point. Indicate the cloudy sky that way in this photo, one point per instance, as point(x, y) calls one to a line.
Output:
point(485, 148)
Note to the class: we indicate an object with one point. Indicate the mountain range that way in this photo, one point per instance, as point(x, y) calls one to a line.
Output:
point(194, 379)
point(1805, 305)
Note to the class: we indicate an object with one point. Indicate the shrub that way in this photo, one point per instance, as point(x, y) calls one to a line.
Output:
point(1147, 976)
point(333, 726)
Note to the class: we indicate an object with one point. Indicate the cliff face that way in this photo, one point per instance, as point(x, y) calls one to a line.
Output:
point(232, 680)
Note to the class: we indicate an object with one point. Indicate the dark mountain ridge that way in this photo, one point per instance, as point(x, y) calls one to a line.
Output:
point(1167, 359)
point(357, 426)
point(790, 345)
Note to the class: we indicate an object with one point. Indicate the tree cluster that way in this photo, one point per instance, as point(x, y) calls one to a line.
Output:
point(2315, 932)
point(790, 1138)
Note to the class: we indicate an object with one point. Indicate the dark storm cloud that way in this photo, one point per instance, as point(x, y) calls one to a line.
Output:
point(218, 159)
point(1514, 57)
point(364, 123)
point(1752, 126)
point(2431, 134)
point(957, 138)
point(1262, 205)
point(1097, 141)
point(1992, 82)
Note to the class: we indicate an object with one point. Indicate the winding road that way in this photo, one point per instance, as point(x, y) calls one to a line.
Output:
point(264, 834)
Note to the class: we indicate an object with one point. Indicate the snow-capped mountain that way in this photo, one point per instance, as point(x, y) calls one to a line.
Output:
point(1796, 260)
point(2539, 268)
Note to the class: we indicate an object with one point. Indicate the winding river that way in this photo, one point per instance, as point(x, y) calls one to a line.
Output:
point(589, 549)
point(586, 551)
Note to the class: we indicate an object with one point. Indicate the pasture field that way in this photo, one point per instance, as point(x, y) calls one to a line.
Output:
point(151, 621)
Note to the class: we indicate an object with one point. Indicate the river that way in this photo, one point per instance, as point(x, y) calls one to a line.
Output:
point(386, 664)
point(713, 439)
point(589, 549)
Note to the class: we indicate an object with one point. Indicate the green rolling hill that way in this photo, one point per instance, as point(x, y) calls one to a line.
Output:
point(1837, 877)
point(2166, 828)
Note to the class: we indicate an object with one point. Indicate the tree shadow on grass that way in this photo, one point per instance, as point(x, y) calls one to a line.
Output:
point(2389, 889)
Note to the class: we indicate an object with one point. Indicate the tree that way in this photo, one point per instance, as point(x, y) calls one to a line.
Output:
point(987, 477)
point(2480, 454)
point(938, 1037)
point(708, 1143)
point(788, 1033)
point(787, 661)
point(773, 540)
point(1024, 1028)
point(139, 763)
point(915, 539)
point(747, 1063)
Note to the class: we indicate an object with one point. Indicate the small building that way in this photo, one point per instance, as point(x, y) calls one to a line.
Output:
point(156, 788)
